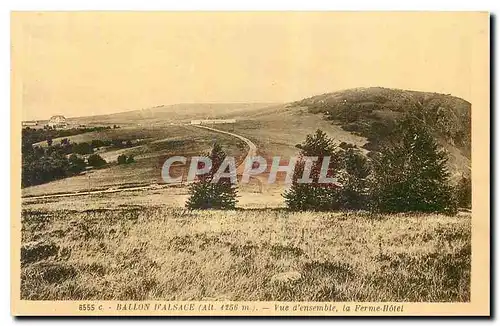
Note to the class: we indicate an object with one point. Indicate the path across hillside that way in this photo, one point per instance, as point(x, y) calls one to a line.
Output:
point(252, 148)
point(252, 151)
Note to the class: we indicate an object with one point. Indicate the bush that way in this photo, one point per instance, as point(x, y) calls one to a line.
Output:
point(76, 164)
point(203, 194)
point(96, 160)
point(96, 143)
point(122, 159)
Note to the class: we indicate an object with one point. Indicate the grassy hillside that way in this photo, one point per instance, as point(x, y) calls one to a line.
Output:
point(278, 129)
point(131, 252)
point(372, 113)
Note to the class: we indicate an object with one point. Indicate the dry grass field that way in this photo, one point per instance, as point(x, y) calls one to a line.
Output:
point(149, 249)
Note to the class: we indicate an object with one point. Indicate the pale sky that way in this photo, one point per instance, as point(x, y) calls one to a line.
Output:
point(79, 64)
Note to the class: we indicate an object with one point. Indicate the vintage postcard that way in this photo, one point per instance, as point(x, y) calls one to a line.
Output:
point(250, 163)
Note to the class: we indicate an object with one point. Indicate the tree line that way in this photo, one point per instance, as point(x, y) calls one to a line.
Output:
point(40, 165)
point(408, 174)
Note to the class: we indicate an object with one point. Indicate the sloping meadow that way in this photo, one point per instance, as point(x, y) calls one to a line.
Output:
point(162, 253)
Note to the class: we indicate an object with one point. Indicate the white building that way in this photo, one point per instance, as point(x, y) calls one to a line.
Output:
point(212, 122)
point(30, 123)
point(58, 121)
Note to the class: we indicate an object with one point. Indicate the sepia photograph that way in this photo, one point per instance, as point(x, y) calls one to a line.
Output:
point(250, 163)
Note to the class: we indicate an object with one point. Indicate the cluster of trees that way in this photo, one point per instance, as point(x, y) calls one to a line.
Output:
point(61, 160)
point(347, 165)
point(408, 174)
point(41, 165)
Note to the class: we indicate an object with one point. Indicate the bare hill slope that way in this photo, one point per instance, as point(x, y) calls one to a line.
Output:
point(177, 113)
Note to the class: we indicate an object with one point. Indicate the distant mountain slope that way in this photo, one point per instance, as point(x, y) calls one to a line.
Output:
point(177, 113)
point(372, 112)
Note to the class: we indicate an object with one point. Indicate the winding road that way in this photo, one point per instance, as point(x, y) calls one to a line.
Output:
point(252, 148)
